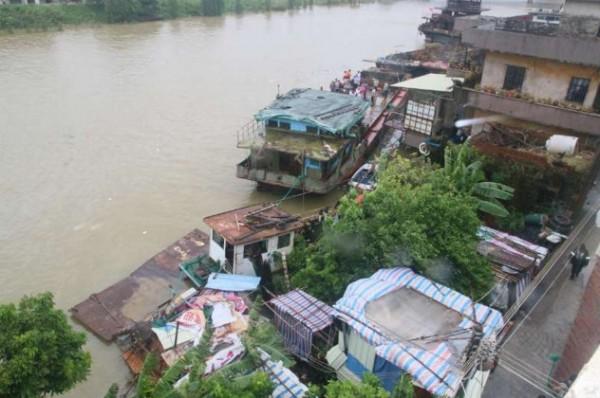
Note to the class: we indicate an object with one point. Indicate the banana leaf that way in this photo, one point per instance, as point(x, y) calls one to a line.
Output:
point(492, 208)
point(493, 190)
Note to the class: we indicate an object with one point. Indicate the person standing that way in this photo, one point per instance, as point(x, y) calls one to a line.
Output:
point(579, 259)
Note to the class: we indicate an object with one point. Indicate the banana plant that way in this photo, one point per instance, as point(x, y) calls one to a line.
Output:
point(466, 173)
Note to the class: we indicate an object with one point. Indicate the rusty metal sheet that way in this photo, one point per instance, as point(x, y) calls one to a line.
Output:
point(115, 310)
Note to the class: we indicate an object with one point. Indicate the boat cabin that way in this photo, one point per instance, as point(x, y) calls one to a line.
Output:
point(306, 140)
point(238, 236)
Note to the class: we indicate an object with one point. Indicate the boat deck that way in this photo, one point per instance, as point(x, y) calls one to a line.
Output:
point(117, 308)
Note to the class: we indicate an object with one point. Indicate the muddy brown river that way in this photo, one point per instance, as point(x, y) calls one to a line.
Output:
point(117, 140)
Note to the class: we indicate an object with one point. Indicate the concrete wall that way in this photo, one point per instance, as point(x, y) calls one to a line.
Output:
point(543, 78)
point(590, 8)
point(573, 50)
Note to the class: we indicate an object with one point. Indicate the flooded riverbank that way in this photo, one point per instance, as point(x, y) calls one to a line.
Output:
point(117, 140)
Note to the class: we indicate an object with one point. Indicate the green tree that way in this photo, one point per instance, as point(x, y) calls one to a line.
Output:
point(369, 388)
point(465, 168)
point(404, 388)
point(122, 10)
point(213, 7)
point(40, 353)
point(415, 217)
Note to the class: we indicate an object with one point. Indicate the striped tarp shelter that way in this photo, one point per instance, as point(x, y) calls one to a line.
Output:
point(287, 384)
point(298, 317)
point(433, 363)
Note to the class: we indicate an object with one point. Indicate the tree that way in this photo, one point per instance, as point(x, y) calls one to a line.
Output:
point(39, 351)
point(369, 388)
point(404, 388)
point(465, 168)
point(122, 10)
point(212, 8)
point(415, 217)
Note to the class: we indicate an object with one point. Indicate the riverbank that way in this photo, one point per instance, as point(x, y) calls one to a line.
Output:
point(17, 17)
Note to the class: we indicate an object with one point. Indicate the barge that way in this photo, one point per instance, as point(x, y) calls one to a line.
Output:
point(309, 140)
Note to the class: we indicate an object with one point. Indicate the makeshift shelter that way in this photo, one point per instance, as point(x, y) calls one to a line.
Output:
point(298, 317)
point(514, 262)
point(397, 321)
point(430, 110)
point(236, 236)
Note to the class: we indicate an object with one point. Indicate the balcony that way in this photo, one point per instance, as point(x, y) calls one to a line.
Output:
point(564, 118)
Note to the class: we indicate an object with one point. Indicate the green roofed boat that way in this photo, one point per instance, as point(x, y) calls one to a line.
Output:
point(308, 140)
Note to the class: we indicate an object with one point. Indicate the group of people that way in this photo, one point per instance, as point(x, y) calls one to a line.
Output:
point(348, 84)
point(357, 86)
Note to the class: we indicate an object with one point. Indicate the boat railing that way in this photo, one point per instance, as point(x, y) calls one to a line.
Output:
point(250, 133)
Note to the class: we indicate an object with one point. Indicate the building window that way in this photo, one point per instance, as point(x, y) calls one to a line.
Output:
point(419, 117)
point(283, 241)
point(256, 248)
point(578, 89)
point(218, 239)
point(513, 80)
point(596, 104)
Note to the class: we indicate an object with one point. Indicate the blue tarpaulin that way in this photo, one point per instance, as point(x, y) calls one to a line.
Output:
point(232, 283)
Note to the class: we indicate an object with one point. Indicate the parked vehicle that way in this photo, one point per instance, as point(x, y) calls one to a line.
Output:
point(365, 178)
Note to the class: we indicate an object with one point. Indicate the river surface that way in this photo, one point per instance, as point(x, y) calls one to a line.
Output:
point(117, 140)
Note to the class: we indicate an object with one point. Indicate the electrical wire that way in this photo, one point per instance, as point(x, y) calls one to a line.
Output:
point(537, 376)
point(528, 381)
point(514, 331)
point(529, 366)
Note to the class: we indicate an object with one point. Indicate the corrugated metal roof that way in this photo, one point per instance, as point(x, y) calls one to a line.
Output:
point(430, 82)
point(253, 223)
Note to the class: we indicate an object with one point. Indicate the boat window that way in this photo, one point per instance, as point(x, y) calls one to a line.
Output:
point(284, 125)
point(299, 127)
point(272, 123)
point(254, 249)
point(312, 164)
point(218, 239)
point(229, 252)
point(283, 241)
point(312, 129)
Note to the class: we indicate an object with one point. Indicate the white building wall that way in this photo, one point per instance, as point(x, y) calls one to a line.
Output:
point(215, 251)
point(241, 265)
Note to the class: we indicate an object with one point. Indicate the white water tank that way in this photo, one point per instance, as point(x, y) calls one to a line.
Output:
point(563, 144)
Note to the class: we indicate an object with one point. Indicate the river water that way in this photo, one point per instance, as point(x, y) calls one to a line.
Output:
point(117, 140)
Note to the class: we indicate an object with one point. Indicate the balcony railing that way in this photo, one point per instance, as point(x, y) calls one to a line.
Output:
point(250, 134)
point(549, 115)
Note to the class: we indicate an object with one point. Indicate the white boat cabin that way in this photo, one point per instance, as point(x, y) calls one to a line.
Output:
point(237, 236)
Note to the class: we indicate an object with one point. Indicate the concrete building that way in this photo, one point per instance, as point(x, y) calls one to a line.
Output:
point(539, 72)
